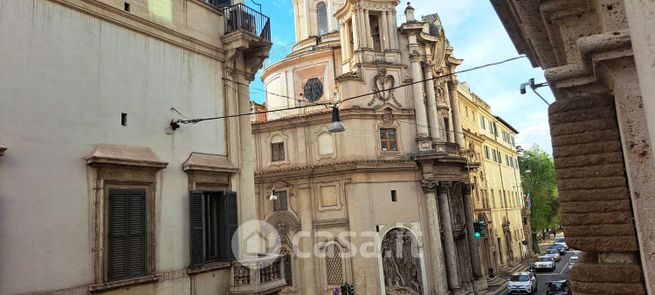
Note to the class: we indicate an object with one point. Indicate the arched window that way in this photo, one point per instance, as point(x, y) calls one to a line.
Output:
point(322, 18)
point(333, 265)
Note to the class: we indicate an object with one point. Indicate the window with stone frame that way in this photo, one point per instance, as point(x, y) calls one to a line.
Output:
point(333, 265)
point(277, 151)
point(281, 203)
point(388, 139)
point(214, 221)
point(127, 234)
point(486, 152)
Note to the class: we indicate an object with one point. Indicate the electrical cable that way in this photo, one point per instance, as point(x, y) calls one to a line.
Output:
point(196, 120)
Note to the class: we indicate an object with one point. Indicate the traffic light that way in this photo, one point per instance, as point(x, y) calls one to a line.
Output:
point(479, 229)
point(347, 289)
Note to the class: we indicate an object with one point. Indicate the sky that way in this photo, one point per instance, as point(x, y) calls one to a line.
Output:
point(478, 37)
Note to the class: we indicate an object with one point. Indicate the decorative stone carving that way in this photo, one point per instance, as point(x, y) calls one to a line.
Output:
point(415, 56)
point(401, 263)
point(387, 117)
point(429, 185)
point(382, 87)
point(313, 89)
point(444, 187)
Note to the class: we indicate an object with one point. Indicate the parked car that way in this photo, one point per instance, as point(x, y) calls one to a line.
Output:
point(573, 260)
point(559, 287)
point(522, 282)
point(554, 253)
point(561, 249)
point(561, 241)
point(544, 263)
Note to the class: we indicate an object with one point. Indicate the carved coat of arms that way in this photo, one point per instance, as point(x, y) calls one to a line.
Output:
point(383, 85)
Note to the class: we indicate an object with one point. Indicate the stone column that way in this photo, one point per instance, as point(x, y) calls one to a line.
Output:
point(449, 241)
point(433, 116)
point(473, 242)
point(344, 42)
point(393, 30)
point(355, 29)
point(384, 30)
point(457, 120)
point(367, 29)
point(436, 261)
point(308, 21)
point(450, 136)
point(419, 105)
point(363, 39)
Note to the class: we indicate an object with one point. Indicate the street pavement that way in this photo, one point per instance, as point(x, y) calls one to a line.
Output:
point(561, 272)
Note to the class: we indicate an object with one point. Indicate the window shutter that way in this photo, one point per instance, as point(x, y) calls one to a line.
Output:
point(197, 242)
point(126, 253)
point(136, 244)
point(231, 224)
point(116, 252)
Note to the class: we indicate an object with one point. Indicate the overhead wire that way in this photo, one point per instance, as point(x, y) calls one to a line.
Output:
point(197, 120)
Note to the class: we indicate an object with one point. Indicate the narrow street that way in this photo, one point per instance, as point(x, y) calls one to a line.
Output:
point(561, 272)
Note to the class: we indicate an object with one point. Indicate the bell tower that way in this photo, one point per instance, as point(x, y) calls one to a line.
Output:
point(368, 32)
point(315, 17)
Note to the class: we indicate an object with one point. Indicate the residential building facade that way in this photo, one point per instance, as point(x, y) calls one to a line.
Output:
point(497, 194)
point(598, 61)
point(103, 189)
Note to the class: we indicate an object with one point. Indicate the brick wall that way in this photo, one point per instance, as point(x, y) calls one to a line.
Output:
point(594, 195)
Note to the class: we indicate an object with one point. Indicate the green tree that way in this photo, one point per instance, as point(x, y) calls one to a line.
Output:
point(539, 181)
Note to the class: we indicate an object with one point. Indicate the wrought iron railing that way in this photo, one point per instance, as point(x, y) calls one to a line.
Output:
point(240, 17)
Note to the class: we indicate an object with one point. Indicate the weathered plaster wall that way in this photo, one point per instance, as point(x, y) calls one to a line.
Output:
point(66, 79)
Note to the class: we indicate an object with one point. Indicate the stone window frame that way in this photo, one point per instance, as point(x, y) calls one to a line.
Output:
point(318, 18)
point(394, 124)
point(122, 167)
point(208, 173)
point(346, 271)
point(268, 154)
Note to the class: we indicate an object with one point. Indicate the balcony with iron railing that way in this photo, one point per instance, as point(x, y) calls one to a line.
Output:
point(240, 17)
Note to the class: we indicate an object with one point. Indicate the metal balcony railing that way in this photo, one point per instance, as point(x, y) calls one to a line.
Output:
point(240, 17)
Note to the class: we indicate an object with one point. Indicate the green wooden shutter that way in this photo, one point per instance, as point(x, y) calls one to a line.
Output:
point(197, 233)
point(136, 233)
point(117, 225)
point(126, 253)
point(231, 217)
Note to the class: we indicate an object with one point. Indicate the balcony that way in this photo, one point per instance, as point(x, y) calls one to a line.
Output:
point(449, 148)
point(264, 275)
point(240, 17)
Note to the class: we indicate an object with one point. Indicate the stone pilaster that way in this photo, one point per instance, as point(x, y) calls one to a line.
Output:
point(449, 241)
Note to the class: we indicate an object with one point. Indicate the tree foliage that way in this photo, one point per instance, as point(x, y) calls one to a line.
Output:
point(540, 182)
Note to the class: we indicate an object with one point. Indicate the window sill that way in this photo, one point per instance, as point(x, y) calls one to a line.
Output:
point(123, 283)
point(208, 267)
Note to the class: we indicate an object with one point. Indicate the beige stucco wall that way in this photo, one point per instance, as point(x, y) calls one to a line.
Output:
point(66, 79)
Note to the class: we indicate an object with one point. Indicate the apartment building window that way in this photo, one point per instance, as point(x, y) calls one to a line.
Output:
point(495, 156)
point(486, 152)
point(277, 151)
point(127, 234)
point(213, 220)
point(281, 203)
point(483, 125)
point(388, 140)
